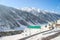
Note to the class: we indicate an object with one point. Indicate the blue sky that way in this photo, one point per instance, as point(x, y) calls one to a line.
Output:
point(41, 4)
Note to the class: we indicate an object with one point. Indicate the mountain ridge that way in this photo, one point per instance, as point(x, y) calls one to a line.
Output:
point(12, 18)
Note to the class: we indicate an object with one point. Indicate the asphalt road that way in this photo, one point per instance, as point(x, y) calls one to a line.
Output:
point(51, 36)
point(33, 35)
point(40, 33)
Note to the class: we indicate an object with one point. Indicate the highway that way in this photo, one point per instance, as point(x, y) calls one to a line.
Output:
point(46, 32)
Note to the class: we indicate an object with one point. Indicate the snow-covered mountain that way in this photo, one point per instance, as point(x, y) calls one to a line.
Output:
point(14, 19)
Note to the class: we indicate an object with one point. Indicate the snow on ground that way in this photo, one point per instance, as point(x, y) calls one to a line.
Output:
point(29, 32)
point(39, 37)
point(19, 36)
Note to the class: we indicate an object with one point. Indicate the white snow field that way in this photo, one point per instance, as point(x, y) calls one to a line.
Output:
point(29, 32)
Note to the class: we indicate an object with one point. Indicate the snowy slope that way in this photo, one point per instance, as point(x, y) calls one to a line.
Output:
point(12, 18)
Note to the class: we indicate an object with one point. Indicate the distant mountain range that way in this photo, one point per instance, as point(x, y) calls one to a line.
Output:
point(12, 18)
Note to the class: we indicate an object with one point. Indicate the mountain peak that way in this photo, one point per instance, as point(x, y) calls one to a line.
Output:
point(29, 9)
